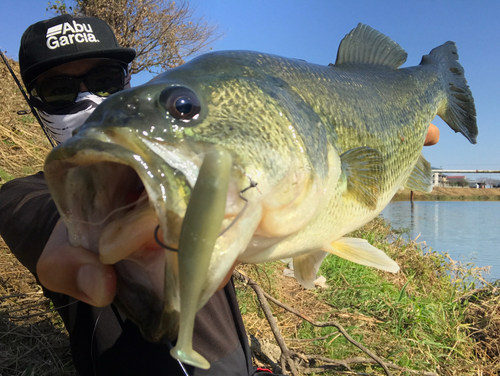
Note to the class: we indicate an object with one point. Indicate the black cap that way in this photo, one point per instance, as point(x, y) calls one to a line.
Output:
point(59, 40)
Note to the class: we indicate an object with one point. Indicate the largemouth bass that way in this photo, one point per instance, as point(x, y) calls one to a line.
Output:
point(241, 156)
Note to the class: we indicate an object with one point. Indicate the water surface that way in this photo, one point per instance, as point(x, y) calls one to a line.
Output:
point(467, 230)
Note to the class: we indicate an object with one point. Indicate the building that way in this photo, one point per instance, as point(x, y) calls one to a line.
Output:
point(442, 180)
point(439, 178)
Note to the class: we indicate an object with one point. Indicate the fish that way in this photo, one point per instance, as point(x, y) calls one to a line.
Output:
point(247, 157)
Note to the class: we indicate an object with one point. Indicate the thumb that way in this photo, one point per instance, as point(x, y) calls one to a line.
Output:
point(75, 271)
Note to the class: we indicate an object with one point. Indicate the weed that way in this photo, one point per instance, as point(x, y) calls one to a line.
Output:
point(5, 176)
point(414, 318)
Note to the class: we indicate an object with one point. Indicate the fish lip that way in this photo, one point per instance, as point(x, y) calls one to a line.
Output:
point(141, 304)
point(62, 163)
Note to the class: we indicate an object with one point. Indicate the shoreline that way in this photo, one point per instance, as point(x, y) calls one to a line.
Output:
point(451, 194)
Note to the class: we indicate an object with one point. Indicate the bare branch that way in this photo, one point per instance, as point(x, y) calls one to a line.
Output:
point(163, 32)
point(262, 299)
point(285, 353)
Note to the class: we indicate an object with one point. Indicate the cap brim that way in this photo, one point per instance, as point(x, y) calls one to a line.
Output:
point(125, 55)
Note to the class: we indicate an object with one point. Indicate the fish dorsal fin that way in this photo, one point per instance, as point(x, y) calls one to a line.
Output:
point(365, 45)
point(421, 177)
point(362, 252)
point(362, 168)
point(305, 267)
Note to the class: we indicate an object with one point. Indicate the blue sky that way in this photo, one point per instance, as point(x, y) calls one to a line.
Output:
point(311, 30)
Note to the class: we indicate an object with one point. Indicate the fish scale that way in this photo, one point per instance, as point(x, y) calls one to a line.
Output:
point(308, 153)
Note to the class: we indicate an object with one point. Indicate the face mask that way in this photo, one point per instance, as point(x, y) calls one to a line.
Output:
point(63, 122)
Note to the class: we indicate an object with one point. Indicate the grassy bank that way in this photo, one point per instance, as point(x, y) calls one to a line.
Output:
point(451, 194)
point(23, 146)
point(431, 316)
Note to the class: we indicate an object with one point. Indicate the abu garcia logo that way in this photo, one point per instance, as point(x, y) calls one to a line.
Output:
point(66, 33)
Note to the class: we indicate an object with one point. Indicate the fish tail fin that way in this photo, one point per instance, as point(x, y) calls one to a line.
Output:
point(458, 111)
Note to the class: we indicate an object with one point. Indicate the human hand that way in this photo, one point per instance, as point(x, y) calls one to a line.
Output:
point(75, 271)
point(78, 272)
point(432, 137)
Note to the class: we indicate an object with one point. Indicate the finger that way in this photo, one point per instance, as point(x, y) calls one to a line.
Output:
point(75, 271)
point(228, 276)
point(432, 137)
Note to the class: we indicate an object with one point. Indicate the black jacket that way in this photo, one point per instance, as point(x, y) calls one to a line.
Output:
point(103, 341)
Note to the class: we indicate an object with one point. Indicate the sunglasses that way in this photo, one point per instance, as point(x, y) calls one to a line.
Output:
point(62, 91)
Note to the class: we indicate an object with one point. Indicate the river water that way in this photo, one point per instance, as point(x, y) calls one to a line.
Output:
point(467, 230)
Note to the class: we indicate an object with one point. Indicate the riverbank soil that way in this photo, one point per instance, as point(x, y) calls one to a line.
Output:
point(451, 194)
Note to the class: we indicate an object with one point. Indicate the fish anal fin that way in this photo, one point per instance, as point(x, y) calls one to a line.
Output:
point(421, 177)
point(362, 252)
point(305, 267)
point(362, 168)
point(365, 45)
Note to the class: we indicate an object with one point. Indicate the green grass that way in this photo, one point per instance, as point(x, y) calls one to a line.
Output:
point(418, 320)
point(28, 119)
point(9, 142)
point(5, 176)
point(427, 326)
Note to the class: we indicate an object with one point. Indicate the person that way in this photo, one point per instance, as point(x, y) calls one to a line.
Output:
point(69, 65)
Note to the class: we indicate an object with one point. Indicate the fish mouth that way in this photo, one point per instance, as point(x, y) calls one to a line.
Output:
point(112, 198)
point(118, 223)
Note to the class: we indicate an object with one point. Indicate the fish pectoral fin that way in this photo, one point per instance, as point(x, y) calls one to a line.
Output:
point(362, 252)
point(364, 45)
point(421, 177)
point(305, 267)
point(362, 168)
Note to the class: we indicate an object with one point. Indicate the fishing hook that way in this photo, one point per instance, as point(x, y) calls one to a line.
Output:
point(160, 242)
point(252, 185)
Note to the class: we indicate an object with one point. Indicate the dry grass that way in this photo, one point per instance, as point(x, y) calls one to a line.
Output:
point(23, 146)
point(32, 338)
point(451, 194)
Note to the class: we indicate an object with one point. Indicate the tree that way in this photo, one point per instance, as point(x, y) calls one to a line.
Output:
point(163, 32)
point(458, 182)
point(488, 181)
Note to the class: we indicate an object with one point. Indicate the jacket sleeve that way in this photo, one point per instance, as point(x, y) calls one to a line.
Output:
point(27, 217)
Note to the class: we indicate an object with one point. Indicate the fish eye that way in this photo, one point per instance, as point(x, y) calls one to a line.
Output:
point(180, 102)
